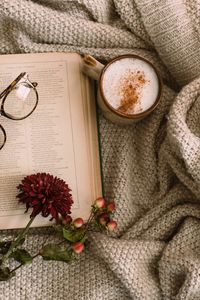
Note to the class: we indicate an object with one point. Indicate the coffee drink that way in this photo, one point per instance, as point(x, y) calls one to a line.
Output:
point(130, 85)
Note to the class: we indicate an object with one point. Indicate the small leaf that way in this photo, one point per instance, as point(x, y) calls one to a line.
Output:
point(73, 236)
point(5, 274)
point(4, 246)
point(22, 256)
point(56, 252)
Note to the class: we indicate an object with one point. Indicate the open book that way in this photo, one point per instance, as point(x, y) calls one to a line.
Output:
point(60, 137)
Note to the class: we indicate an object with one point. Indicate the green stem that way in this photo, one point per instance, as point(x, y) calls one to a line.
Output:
point(33, 257)
point(19, 266)
point(16, 242)
point(91, 217)
point(23, 233)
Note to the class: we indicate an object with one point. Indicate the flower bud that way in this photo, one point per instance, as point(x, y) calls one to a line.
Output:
point(112, 225)
point(111, 206)
point(78, 247)
point(78, 222)
point(100, 202)
point(67, 220)
point(104, 219)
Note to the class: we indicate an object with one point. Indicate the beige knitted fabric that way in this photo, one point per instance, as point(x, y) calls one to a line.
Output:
point(151, 169)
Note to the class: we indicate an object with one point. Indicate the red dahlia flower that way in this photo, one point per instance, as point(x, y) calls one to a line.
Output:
point(46, 194)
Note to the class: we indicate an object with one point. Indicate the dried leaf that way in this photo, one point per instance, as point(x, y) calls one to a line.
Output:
point(22, 256)
point(5, 274)
point(57, 252)
point(4, 246)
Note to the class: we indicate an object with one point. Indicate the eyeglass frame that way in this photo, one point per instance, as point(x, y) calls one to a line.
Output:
point(4, 95)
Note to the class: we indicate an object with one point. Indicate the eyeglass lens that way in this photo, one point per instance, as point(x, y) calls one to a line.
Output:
point(21, 101)
point(2, 137)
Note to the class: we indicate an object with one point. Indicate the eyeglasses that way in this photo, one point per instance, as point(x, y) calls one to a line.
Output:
point(19, 100)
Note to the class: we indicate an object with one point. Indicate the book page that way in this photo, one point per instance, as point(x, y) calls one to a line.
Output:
point(60, 136)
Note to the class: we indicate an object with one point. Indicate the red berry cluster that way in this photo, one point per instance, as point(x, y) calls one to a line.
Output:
point(78, 247)
point(103, 211)
point(73, 227)
point(101, 215)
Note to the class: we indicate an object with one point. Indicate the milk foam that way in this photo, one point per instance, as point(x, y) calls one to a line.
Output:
point(116, 74)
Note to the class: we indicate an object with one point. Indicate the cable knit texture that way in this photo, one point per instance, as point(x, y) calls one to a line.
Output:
point(151, 169)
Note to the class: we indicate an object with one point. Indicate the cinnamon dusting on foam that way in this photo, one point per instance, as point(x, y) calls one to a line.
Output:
point(131, 86)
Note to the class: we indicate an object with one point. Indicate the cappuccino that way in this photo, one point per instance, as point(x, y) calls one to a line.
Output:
point(130, 85)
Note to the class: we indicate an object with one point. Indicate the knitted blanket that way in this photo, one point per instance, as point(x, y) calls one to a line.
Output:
point(151, 169)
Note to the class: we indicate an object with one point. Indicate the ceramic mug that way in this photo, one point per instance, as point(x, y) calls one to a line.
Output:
point(130, 87)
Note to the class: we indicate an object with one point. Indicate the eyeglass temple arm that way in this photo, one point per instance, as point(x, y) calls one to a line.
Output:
point(12, 85)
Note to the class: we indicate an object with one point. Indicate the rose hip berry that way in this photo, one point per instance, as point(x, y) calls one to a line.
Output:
point(104, 219)
point(111, 206)
point(78, 222)
point(112, 225)
point(78, 247)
